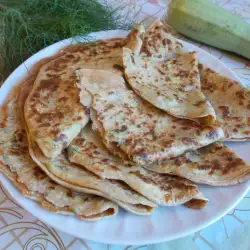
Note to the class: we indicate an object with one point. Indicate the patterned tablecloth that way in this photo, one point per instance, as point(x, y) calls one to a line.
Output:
point(21, 230)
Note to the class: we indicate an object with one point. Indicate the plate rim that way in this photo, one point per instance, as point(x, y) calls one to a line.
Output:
point(155, 239)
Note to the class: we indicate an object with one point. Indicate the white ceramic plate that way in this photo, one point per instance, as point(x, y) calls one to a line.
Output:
point(166, 223)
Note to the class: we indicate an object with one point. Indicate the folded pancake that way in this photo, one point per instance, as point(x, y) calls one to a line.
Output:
point(231, 102)
point(17, 165)
point(79, 179)
point(88, 150)
point(173, 85)
point(159, 44)
point(141, 207)
point(215, 165)
point(53, 113)
point(145, 133)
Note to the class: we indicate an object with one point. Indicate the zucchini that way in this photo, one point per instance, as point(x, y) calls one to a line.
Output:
point(208, 23)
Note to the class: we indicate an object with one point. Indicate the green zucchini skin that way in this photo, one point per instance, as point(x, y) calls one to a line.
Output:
point(208, 23)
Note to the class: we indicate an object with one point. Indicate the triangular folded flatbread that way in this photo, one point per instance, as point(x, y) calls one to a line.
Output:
point(215, 165)
point(53, 113)
point(79, 179)
point(159, 44)
point(86, 181)
point(88, 150)
point(231, 102)
point(17, 165)
point(173, 85)
point(145, 133)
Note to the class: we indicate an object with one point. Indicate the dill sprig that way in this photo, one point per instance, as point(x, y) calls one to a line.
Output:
point(26, 26)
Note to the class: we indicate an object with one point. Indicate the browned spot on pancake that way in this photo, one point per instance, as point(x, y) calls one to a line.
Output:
point(114, 168)
point(121, 129)
point(225, 111)
point(234, 164)
point(212, 167)
point(52, 187)
point(181, 73)
point(49, 116)
point(79, 141)
point(45, 124)
point(69, 193)
point(196, 204)
point(166, 41)
point(248, 121)
point(77, 59)
point(105, 160)
point(19, 136)
point(240, 94)
point(50, 85)
point(118, 67)
point(70, 56)
point(141, 152)
point(200, 103)
point(78, 118)
point(236, 118)
point(114, 143)
point(63, 99)
point(229, 158)
point(36, 95)
point(235, 130)
point(200, 66)
point(96, 152)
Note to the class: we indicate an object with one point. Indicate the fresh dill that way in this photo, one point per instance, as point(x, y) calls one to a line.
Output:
point(26, 26)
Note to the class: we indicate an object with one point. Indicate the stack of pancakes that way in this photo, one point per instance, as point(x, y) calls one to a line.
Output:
point(133, 122)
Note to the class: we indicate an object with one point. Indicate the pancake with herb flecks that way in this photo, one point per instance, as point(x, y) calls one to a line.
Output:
point(231, 102)
point(17, 165)
point(214, 165)
point(173, 85)
point(145, 133)
point(159, 44)
point(53, 113)
point(88, 150)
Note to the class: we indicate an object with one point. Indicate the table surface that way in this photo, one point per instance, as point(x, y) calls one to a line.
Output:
point(21, 230)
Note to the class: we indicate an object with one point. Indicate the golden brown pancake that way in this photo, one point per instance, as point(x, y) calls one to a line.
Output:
point(173, 85)
point(53, 113)
point(145, 133)
point(231, 102)
point(88, 150)
point(17, 165)
point(159, 44)
point(215, 165)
